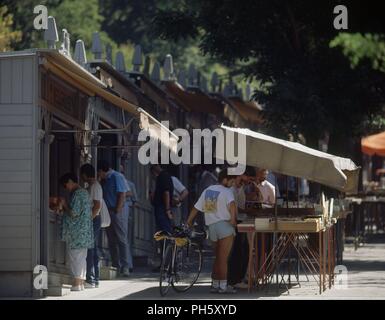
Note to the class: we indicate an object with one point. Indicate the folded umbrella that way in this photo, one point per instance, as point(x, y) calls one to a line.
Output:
point(295, 159)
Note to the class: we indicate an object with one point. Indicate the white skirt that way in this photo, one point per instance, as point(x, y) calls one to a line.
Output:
point(78, 262)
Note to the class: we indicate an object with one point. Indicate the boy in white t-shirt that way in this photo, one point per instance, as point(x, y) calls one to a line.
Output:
point(218, 205)
point(88, 174)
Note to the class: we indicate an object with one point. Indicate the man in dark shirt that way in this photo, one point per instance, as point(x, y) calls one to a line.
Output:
point(162, 197)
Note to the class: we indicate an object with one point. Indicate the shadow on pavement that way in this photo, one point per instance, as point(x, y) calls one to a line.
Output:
point(202, 291)
point(355, 266)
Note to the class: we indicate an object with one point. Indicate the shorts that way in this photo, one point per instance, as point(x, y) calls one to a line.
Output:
point(220, 230)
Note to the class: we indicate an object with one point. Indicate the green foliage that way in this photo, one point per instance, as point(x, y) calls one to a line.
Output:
point(362, 48)
point(305, 86)
point(289, 48)
point(134, 21)
point(374, 124)
point(8, 37)
point(80, 18)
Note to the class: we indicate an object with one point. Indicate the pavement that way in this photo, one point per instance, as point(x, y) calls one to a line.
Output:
point(366, 280)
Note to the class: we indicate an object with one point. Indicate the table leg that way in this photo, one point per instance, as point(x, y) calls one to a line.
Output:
point(329, 255)
point(250, 238)
point(334, 252)
point(320, 260)
point(324, 259)
point(263, 257)
point(256, 266)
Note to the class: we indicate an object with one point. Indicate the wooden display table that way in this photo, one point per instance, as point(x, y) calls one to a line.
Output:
point(291, 233)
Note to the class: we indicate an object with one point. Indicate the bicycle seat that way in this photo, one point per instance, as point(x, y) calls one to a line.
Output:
point(179, 233)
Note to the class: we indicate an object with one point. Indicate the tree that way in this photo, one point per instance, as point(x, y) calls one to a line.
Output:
point(8, 37)
point(361, 48)
point(306, 86)
point(133, 21)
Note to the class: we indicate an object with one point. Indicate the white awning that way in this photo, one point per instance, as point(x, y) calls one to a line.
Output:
point(294, 159)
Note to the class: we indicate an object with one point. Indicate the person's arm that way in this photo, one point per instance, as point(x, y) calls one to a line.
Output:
point(129, 194)
point(194, 211)
point(96, 208)
point(176, 200)
point(183, 195)
point(191, 217)
point(180, 190)
point(121, 190)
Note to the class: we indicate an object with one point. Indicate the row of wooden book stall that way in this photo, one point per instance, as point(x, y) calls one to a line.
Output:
point(76, 111)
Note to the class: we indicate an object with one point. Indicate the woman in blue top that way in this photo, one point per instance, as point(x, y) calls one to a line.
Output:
point(77, 228)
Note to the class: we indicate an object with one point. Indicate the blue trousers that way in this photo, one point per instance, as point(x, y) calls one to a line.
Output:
point(117, 234)
point(93, 255)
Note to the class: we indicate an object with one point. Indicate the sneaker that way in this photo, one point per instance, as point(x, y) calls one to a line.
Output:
point(241, 285)
point(88, 285)
point(214, 290)
point(82, 287)
point(229, 290)
point(76, 288)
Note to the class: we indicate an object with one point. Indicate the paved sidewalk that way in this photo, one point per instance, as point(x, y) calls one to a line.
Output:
point(366, 280)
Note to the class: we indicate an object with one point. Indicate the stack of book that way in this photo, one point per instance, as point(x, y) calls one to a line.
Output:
point(262, 224)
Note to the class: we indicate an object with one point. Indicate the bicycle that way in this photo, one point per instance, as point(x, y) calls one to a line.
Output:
point(181, 259)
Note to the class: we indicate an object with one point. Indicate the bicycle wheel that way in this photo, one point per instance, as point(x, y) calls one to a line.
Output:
point(187, 267)
point(165, 277)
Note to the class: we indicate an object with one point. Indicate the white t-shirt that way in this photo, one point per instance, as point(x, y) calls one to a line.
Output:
point(178, 186)
point(267, 191)
point(273, 180)
point(214, 202)
point(96, 193)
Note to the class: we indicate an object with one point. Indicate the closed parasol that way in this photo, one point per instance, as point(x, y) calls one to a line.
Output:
point(295, 159)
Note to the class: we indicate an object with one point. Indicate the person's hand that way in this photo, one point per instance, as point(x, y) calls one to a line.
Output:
point(63, 205)
point(233, 222)
point(169, 214)
point(58, 210)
